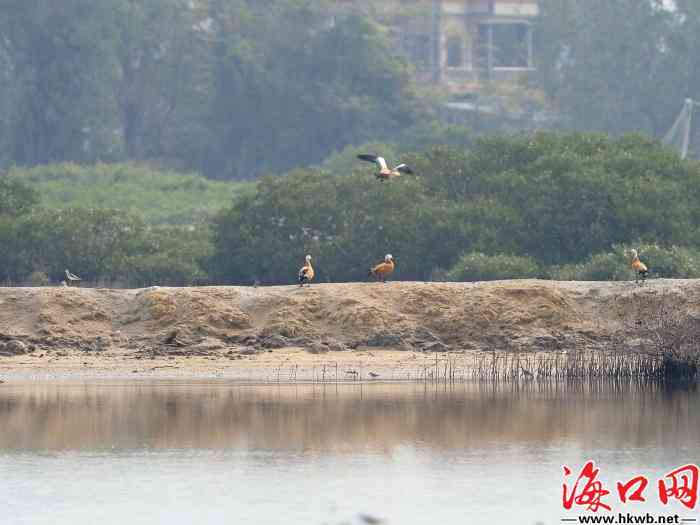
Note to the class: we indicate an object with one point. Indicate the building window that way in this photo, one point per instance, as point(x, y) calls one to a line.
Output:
point(510, 43)
point(504, 45)
point(455, 52)
point(483, 46)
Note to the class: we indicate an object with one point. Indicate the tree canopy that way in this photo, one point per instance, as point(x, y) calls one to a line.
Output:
point(231, 88)
point(618, 66)
point(553, 198)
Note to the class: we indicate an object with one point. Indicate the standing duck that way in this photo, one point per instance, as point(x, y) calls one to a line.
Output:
point(640, 269)
point(383, 269)
point(306, 272)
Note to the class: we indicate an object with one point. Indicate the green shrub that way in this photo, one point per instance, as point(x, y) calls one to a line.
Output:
point(478, 266)
point(171, 256)
point(673, 262)
point(100, 245)
point(16, 197)
point(347, 223)
point(611, 266)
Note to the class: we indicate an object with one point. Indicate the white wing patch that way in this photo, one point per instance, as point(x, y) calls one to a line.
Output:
point(382, 163)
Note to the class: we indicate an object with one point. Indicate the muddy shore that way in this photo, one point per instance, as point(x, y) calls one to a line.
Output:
point(353, 331)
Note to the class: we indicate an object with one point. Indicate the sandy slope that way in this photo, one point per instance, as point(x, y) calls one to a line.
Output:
point(236, 329)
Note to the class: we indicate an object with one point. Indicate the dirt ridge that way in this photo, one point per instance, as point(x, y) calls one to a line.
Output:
point(505, 315)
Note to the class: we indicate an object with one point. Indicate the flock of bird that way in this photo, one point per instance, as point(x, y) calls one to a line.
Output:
point(383, 269)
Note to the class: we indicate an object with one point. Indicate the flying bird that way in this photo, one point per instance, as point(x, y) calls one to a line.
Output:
point(306, 272)
point(640, 269)
point(383, 269)
point(385, 172)
point(72, 278)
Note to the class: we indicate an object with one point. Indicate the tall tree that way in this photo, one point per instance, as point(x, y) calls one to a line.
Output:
point(163, 80)
point(613, 65)
point(62, 65)
point(293, 84)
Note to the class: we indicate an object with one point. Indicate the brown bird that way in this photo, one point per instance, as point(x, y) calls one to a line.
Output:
point(640, 269)
point(382, 270)
point(385, 172)
point(306, 272)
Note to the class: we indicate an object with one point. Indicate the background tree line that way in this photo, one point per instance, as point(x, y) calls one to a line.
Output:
point(102, 105)
point(526, 206)
point(543, 205)
point(236, 88)
point(618, 66)
point(230, 88)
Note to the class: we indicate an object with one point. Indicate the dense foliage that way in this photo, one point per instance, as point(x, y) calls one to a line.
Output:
point(552, 199)
point(230, 88)
point(477, 266)
point(91, 93)
point(100, 244)
point(673, 261)
point(619, 66)
point(238, 88)
point(160, 196)
point(543, 205)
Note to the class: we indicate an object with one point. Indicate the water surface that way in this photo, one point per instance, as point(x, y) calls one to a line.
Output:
point(208, 452)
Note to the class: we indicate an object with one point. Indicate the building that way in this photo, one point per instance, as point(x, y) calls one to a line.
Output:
point(461, 44)
point(473, 42)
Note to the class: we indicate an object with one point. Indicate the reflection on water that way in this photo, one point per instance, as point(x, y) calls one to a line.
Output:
point(340, 417)
point(411, 453)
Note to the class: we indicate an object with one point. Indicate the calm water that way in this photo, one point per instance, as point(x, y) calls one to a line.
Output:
point(185, 453)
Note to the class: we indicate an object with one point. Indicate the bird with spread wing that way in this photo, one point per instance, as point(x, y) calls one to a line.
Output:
point(385, 172)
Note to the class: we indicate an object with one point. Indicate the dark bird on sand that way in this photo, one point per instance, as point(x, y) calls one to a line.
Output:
point(72, 278)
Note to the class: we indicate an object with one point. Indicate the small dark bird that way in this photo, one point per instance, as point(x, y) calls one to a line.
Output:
point(373, 375)
point(385, 172)
point(72, 278)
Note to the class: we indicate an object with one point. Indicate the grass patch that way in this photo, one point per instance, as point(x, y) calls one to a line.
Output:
point(161, 197)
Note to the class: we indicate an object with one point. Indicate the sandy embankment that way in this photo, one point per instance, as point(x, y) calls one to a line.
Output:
point(327, 331)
